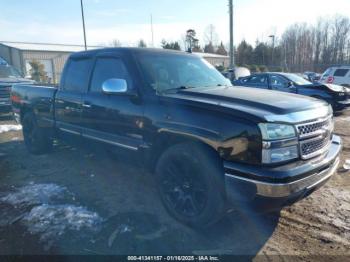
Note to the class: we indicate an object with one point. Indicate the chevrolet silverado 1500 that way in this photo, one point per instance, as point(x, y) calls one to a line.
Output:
point(208, 143)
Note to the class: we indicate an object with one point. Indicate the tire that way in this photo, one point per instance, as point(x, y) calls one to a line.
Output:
point(190, 181)
point(36, 139)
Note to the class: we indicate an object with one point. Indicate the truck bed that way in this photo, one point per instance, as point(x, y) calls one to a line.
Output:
point(37, 98)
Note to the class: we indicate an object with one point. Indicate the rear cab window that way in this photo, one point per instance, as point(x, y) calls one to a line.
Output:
point(77, 75)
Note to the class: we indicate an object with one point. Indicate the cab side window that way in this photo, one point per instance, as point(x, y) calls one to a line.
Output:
point(108, 68)
point(257, 81)
point(341, 72)
point(278, 82)
point(78, 74)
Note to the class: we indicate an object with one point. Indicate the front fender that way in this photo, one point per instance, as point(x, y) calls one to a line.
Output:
point(232, 139)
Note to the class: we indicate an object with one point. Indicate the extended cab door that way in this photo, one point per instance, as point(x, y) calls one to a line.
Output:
point(115, 119)
point(68, 102)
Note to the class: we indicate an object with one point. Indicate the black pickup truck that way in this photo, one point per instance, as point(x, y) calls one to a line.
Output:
point(209, 144)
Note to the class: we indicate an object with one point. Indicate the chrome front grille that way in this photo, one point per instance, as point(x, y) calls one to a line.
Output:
point(315, 137)
point(314, 128)
point(5, 92)
point(310, 148)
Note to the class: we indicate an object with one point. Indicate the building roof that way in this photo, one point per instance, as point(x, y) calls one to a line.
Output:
point(47, 47)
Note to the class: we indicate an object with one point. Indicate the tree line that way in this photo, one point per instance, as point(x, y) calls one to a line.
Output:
point(301, 47)
point(190, 42)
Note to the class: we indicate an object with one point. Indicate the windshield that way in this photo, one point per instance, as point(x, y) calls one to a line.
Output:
point(298, 79)
point(9, 72)
point(169, 72)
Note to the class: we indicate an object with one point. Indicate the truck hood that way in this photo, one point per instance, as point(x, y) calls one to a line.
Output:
point(265, 105)
point(331, 87)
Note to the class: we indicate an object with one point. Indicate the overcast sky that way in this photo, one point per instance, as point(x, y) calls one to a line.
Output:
point(129, 20)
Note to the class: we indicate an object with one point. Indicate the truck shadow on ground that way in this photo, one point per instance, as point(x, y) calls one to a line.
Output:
point(124, 195)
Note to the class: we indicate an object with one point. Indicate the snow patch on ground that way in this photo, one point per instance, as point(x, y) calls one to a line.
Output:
point(51, 221)
point(33, 206)
point(34, 194)
point(8, 128)
point(344, 119)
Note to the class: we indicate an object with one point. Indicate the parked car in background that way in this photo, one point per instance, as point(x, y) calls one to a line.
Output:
point(312, 76)
point(337, 96)
point(8, 76)
point(207, 143)
point(339, 75)
point(236, 73)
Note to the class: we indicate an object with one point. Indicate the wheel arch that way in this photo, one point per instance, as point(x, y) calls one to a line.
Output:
point(166, 139)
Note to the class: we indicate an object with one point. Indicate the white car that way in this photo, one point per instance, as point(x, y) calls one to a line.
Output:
point(338, 75)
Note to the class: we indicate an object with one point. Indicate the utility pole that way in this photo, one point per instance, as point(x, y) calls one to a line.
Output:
point(152, 31)
point(83, 18)
point(273, 48)
point(232, 51)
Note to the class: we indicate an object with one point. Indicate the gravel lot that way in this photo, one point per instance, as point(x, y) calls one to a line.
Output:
point(85, 200)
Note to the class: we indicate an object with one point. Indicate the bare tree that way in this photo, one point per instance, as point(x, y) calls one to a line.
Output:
point(302, 47)
point(115, 43)
point(142, 43)
point(209, 48)
point(221, 50)
point(211, 36)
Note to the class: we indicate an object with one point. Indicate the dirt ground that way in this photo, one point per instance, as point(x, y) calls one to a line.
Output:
point(85, 200)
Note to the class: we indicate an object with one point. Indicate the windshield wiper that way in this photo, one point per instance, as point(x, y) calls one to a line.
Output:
point(219, 85)
point(176, 89)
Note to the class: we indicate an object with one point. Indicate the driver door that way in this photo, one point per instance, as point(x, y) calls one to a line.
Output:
point(114, 119)
point(280, 83)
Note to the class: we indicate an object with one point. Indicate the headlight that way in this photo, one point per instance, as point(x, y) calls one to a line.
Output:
point(275, 155)
point(276, 131)
point(280, 143)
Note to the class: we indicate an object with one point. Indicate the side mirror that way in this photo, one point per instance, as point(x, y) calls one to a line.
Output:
point(115, 86)
point(290, 84)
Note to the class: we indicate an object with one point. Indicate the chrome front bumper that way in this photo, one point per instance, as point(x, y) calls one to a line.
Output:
point(283, 190)
point(291, 180)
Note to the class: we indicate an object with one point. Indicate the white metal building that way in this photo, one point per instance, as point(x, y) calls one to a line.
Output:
point(215, 60)
point(54, 56)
